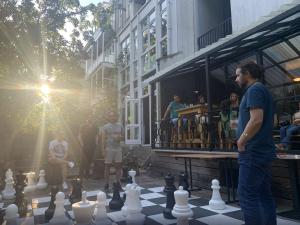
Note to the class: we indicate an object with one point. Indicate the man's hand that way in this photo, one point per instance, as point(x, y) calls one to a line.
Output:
point(241, 145)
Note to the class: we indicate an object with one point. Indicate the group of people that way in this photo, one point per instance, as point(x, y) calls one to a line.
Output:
point(229, 111)
point(108, 138)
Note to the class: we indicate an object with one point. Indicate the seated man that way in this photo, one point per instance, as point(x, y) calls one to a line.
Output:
point(201, 100)
point(58, 153)
point(287, 131)
point(172, 110)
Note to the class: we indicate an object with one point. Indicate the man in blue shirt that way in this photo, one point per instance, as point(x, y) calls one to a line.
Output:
point(256, 147)
point(172, 110)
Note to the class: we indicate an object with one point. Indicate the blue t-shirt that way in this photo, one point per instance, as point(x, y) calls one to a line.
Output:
point(174, 106)
point(260, 149)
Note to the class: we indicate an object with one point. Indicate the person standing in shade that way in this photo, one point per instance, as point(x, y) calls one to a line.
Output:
point(112, 136)
point(87, 139)
point(256, 147)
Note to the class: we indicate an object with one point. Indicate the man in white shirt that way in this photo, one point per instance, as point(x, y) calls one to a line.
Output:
point(112, 135)
point(58, 153)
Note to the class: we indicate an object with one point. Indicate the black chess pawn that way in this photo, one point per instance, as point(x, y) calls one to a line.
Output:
point(116, 202)
point(76, 193)
point(169, 190)
point(50, 211)
point(20, 200)
point(183, 181)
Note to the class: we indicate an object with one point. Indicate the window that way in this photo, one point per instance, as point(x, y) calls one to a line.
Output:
point(125, 76)
point(149, 42)
point(124, 55)
point(164, 22)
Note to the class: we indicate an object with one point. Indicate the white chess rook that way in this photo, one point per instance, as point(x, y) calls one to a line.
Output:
point(9, 191)
point(59, 217)
point(11, 215)
point(31, 186)
point(216, 202)
point(84, 210)
point(182, 211)
point(42, 184)
point(100, 212)
point(134, 206)
point(132, 173)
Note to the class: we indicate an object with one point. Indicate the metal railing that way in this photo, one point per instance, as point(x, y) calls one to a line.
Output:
point(213, 35)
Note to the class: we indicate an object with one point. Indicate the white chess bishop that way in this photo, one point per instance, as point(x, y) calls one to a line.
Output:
point(59, 217)
point(100, 212)
point(216, 202)
point(11, 215)
point(134, 206)
point(84, 210)
point(182, 211)
point(31, 185)
point(9, 191)
point(42, 184)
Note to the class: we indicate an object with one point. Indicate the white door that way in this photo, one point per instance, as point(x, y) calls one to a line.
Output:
point(133, 121)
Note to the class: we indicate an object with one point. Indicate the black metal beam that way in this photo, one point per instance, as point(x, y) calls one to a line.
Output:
point(260, 62)
point(292, 47)
point(153, 128)
point(277, 65)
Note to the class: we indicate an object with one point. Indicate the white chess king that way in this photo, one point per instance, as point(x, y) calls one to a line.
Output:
point(216, 201)
point(182, 211)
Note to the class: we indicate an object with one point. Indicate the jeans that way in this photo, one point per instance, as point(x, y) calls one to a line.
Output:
point(286, 133)
point(255, 195)
point(174, 122)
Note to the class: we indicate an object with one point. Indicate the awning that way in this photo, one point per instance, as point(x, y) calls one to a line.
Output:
point(279, 26)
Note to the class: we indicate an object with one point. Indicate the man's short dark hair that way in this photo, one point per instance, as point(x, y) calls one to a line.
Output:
point(254, 70)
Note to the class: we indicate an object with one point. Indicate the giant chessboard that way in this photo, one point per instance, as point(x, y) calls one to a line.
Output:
point(153, 201)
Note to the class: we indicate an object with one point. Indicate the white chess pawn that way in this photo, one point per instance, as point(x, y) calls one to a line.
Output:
point(42, 184)
point(134, 207)
point(11, 215)
point(182, 211)
point(100, 212)
point(59, 217)
point(9, 191)
point(8, 173)
point(124, 208)
point(132, 173)
point(31, 186)
point(216, 202)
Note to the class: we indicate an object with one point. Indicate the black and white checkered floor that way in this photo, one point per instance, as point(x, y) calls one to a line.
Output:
point(153, 201)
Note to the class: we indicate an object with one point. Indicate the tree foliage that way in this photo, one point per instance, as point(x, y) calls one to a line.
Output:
point(43, 37)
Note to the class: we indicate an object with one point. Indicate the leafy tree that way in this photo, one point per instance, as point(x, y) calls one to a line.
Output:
point(44, 37)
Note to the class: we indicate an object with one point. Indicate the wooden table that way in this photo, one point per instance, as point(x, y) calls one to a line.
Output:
point(189, 111)
point(196, 109)
point(211, 156)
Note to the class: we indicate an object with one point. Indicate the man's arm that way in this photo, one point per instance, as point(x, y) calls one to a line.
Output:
point(51, 154)
point(252, 127)
point(103, 141)
point(167, 112)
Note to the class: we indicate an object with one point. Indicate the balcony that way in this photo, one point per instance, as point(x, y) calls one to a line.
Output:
point(92, 65)
point(213, 35)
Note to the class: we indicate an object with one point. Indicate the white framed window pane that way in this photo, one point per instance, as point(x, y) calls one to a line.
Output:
point(127, 74)
point(152, 58)
point(146, 62)
point(152, 34)
point(145, 39)
point(163, 5)
point(152, 17)
point(123, 77)
point(164, 47)
point(164, 21)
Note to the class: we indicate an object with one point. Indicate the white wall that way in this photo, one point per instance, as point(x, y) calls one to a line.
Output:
point(245, 12)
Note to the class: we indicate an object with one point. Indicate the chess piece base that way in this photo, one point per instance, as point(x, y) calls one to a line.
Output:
point(41, 186)
point(217, 205)
point(8, 195)
point(28, 189)
point(135, 219)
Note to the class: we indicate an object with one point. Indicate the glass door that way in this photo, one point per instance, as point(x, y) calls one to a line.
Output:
point(133, 121)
